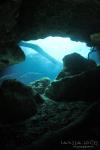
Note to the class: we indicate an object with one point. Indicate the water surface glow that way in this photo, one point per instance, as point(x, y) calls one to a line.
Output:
point(43, 58)
point(58, 47)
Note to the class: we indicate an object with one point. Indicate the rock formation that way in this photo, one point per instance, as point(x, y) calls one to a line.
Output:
point(74, 64)
point(10, 54)
point(83, 86)
point(18, 102)
point(40, 85)
point(24, 20)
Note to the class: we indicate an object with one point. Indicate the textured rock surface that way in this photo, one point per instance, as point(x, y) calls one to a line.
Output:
point(24, 20)
point(17, 102)
point(74, 64)
point(60, 17)
point(82, 86)
point(50, 118)
point(10, 54)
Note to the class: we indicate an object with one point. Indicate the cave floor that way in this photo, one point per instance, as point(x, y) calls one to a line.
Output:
point(51, 117)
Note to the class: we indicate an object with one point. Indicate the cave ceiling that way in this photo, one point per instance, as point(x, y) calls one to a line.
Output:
point(26, 20)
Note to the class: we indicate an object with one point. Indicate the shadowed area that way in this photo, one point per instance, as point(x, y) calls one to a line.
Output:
point(45, 103)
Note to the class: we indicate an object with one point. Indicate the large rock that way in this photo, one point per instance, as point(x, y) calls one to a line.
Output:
point(10, 54)
point(18, 102)
point(74, 64)
point(75, 18)
point(83, 86)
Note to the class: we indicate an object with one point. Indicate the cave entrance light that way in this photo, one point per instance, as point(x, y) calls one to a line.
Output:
point(58, 47)
point(44, 58)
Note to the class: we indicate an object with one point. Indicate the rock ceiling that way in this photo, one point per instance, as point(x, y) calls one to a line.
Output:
point(25, 20)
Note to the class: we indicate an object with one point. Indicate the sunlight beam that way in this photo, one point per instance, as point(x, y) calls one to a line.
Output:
point(58, 47)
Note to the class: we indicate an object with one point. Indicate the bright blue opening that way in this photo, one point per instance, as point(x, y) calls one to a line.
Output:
point(58, 47)
point(43, 58)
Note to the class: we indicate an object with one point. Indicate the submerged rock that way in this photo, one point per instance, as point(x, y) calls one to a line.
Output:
point(40, 85)
point(17, 101)
point(74, 64)
point(10, 54)
point(83, 86)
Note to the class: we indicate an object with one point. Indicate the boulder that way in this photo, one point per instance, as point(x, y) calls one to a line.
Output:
point(10, 54)
point(18, 102)
point(83, 86)
point(40, 85)
point(74, 63)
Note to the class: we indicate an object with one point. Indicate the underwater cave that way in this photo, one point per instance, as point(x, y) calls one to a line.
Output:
point(49, 74)
point(43, 58)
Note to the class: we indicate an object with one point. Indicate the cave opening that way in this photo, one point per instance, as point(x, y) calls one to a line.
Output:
point(56, 46)
point(44, 58)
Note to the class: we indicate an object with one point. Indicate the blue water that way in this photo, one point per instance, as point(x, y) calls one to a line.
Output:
point(56, 47)
point(37, 66)
point(34, 67)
